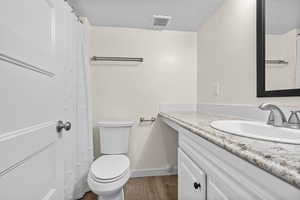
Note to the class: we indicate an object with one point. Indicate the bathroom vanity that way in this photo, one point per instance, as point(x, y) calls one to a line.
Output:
point(215, 165)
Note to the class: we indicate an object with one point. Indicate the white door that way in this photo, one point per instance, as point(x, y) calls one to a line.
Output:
point(31, 85)
point(191, 179)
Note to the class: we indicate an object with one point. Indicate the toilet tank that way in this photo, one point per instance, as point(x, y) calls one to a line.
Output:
point(114, 136)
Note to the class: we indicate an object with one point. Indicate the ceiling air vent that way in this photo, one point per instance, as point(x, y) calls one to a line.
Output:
point(161, 21)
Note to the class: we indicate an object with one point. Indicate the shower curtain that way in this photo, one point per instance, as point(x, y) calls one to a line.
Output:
point(79, 145)
point(84, 154)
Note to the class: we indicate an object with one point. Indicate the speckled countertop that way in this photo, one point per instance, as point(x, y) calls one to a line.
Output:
point(281, 160)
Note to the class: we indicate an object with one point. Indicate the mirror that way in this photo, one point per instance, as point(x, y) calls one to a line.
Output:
point(278, 48)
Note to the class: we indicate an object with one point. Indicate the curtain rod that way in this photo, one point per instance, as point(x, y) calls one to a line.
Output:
point(74, 11)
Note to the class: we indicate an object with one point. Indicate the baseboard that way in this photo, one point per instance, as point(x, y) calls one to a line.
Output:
point(153, 172)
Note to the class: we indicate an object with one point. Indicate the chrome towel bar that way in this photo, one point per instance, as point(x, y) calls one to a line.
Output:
point(126, 59)
point(277, 62)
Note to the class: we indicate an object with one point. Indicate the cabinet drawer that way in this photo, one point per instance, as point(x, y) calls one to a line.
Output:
point(192, 179)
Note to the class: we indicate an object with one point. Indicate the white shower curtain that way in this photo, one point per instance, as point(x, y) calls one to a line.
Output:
point(78, 145)
point(84, 144)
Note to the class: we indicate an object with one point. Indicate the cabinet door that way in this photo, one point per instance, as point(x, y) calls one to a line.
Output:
point(214, 193)
point(192, 180)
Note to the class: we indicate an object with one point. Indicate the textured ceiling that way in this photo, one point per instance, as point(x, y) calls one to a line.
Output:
point(187, 15)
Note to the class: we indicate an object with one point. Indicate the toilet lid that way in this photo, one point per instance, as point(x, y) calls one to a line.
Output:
point(109, 167)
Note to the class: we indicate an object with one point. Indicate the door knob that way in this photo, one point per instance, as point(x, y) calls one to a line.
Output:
point(61, 125)
point(68, 126)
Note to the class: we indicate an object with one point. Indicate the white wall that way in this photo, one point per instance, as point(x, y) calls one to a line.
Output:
point(227, 55)
point(168, 75)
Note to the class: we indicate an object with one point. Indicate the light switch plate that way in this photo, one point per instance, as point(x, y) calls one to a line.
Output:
point(216, 89)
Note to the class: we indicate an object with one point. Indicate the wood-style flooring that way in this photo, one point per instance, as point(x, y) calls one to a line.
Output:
point(147, 188)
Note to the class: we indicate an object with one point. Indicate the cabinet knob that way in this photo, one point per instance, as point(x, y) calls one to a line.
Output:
point(197, 186)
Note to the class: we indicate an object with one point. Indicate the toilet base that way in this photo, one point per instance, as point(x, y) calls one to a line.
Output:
point(115, 196)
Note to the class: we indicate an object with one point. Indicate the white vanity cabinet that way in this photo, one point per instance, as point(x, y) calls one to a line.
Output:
point(192, 180)
point(214, 193)
point(223, 175)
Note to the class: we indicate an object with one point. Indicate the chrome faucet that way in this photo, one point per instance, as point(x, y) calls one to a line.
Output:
point(276, 117)
point(294, 120)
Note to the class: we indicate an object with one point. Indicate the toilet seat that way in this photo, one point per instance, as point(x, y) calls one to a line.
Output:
point(110, 168)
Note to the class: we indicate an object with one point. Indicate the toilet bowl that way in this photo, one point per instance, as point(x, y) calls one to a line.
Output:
point(111, 171)
point(107, 176)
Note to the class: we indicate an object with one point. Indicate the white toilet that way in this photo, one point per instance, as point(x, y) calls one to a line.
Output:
point(110, 172)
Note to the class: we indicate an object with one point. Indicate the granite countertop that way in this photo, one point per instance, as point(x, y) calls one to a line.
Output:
point(281, 160)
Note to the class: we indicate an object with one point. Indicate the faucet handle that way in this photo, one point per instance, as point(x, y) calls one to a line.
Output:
point(271, 118)
point(294, 118)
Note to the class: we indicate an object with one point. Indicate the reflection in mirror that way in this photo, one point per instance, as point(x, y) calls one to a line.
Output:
point(282, 44)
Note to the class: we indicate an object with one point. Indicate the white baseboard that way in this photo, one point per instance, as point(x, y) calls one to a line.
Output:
point(153, 172)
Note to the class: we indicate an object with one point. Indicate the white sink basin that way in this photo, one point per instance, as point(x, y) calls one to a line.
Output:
point(258, 130)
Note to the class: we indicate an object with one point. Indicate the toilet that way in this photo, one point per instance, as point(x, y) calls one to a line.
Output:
point(110, 172)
